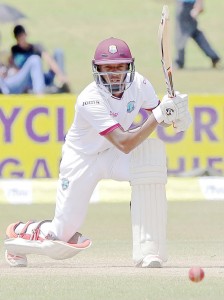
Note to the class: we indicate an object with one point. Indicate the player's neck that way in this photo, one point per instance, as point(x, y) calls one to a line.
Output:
point(118, 95)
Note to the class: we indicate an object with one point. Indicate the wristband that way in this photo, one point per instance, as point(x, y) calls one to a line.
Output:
point(157, 112)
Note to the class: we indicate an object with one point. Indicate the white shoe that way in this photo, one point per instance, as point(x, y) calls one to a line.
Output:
point(15, 260)
point(151, 262)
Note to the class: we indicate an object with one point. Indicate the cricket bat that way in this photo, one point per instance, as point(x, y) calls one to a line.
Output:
point(165, 52)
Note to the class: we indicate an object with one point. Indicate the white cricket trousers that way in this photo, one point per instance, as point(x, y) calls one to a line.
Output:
point(79, 175)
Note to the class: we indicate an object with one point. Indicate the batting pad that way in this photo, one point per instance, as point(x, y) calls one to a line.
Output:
point(54, 249)
point(148, 201)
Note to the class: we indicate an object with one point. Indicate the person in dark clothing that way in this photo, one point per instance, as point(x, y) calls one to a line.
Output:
point(23, 50)
point(187, 12)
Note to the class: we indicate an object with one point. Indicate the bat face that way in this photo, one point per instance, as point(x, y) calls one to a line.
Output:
point(164, 41)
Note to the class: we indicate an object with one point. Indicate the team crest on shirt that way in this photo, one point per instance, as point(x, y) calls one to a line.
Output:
point(130, 106)
point(112, 49)
point(64, 183)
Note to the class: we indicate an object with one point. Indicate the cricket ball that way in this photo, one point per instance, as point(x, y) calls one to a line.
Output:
point(196, 274)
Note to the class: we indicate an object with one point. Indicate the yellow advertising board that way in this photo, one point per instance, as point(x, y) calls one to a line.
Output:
point(32, 131)
point(202, 145)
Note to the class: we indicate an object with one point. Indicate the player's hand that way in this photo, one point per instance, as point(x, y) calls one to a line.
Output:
point(183, 124)
point(171, 109)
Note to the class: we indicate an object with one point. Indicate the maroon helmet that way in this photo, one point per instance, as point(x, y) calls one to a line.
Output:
point(113, 51)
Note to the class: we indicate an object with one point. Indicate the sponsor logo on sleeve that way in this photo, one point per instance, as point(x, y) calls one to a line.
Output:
point(90, 102)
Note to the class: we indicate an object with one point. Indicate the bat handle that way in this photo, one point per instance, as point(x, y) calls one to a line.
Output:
point(172, 94)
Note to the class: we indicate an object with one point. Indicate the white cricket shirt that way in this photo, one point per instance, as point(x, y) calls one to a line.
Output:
point(97, 112)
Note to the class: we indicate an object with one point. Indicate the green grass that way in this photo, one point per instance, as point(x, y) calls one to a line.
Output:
point(105, 271)
point(107, 287)
point(78, 26)
point(195, 229)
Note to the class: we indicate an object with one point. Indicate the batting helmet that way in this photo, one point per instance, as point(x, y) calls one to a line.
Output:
point(113, 51)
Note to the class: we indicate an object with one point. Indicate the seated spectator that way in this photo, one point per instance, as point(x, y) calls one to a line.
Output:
point(29, 77)
point(24, 50)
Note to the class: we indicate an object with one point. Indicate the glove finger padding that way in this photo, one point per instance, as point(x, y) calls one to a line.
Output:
point(183, 124)
point(171, 109)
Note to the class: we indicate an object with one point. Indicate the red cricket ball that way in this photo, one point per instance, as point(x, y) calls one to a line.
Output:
point(196, 274)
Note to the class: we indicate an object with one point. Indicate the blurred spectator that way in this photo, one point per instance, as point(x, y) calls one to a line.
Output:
point(23, 50)
point(187, 12)
point(29, 78)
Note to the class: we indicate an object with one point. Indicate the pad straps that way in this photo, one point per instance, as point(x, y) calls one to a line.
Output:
point(35, 235)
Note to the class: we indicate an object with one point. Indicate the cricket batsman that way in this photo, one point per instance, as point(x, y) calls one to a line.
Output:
point(102, 143)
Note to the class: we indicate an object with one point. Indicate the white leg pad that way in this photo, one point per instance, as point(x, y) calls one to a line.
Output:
point(148, 202)
point(54, 249)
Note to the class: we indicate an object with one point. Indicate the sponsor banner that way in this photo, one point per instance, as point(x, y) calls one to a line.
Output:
point(212, 187)
point(32, 131)
point(16, 191)
point(44, 190)
point(29, 191)
point(177, 189)
point(202, 145)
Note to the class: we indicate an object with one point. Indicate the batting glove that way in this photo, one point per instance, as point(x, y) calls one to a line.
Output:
point(171, 109)
point(183, 124)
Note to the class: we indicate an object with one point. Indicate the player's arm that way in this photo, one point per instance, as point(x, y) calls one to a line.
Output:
point(168, 111)
point(126, 141)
